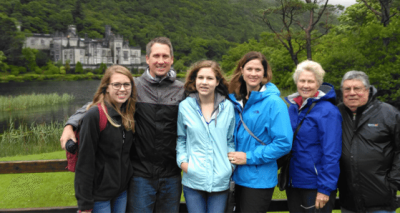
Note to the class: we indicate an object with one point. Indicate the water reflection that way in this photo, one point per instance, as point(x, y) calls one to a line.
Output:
point(83, 92)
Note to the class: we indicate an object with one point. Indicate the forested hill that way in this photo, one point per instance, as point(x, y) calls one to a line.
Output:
point(198, 29)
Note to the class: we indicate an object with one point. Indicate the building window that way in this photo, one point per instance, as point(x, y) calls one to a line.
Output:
point(125, 55)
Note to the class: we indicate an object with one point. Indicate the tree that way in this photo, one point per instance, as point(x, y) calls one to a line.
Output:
point(299, 22)
point(51, 69)
point(67, 67)
point(30, 58)
point(102, 68)
point(384, 15)
point(356, 44)
point(78, 15)
point(78, 67)
point(3, 65)
point(11, 40)
point(42, 58)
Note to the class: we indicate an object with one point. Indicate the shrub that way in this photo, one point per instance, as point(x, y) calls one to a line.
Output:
point(38, 70)
point(79, 68)
point(14, 70)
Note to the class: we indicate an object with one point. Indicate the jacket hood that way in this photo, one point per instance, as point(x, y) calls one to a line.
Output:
point(256, 96)
point(171, 76)
point(325, 92)
point(372, 94)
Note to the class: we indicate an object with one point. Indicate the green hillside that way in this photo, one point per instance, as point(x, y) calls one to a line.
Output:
point(198, 29)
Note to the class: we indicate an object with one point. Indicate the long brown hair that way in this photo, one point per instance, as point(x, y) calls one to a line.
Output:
point(102, 96)
point(237, 84)
point(190, 85)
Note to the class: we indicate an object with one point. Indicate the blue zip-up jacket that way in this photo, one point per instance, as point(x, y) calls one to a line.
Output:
point(318, 144)
point(205, 145)
point(266, 115)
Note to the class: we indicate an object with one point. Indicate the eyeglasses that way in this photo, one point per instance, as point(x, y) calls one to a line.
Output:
point(118, 85)
point(355, 89)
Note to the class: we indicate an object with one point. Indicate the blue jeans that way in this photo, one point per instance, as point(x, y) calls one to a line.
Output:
point(205, 202)
point(375, 211)
point(116, 205)
point(147, 195)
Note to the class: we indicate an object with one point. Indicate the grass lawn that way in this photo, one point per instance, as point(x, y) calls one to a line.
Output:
point(37, 189)
point(50, 189)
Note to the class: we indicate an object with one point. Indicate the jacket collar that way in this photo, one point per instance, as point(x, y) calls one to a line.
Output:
point(171, 76)
point(218, 99)
point(325, 92)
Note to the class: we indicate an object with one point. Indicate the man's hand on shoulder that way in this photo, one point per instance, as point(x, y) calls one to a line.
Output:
point(68, 133)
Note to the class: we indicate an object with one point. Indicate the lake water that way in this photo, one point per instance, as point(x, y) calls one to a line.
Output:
point(83, 92)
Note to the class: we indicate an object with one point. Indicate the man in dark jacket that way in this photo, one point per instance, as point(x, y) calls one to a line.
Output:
point(370, 162)
point(156, 184)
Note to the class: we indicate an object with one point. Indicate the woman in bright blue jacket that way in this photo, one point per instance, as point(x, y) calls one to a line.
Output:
point(205, 136)
point(265, 114)
point(314, 166)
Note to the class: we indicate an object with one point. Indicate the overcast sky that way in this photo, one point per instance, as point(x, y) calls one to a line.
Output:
point(345, 3)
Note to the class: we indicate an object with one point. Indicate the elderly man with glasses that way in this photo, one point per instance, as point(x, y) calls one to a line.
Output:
point(370, 161)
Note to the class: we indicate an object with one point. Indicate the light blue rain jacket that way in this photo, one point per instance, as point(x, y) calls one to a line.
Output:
point(205, 146)
point(266, 115)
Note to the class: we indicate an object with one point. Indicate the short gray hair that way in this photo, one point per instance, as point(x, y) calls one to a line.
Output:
point(160, 40)
point(311, 66)
point(356, 75)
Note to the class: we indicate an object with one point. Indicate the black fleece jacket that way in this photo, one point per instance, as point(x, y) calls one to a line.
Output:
point(104, 168)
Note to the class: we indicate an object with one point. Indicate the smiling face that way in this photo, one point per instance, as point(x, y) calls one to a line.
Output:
point(307, 84)
point(253, 72)
point(159, 60)
point(206, 82)
point(354, 94)
point(119, 96)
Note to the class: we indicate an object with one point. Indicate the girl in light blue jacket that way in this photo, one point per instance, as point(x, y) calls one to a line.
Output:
point(206, 122)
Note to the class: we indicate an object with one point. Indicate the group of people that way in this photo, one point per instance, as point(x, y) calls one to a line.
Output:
point(218, 132)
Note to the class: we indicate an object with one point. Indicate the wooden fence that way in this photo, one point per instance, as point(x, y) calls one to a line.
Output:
point(13, 167)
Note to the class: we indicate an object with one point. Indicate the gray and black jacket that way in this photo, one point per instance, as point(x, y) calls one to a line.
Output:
point(370, 163)
point(153, 155)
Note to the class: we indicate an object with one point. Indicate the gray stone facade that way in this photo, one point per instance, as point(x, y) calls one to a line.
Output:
point(112, 49)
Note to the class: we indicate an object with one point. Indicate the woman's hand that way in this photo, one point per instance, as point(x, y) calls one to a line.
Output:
point(321, 200)
point(238, 158)
point(184, 166)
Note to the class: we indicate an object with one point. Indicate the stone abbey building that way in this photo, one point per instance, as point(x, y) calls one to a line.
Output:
point(112, 49)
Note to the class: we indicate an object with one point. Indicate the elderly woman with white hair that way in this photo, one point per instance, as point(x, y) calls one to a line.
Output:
point(317, 145)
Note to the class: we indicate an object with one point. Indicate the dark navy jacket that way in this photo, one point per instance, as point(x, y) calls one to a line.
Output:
point(370, 163)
